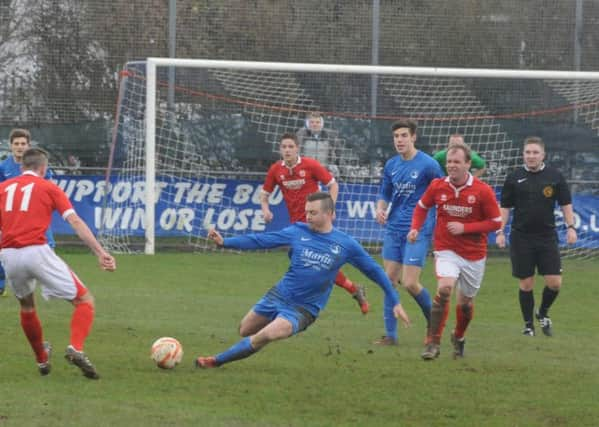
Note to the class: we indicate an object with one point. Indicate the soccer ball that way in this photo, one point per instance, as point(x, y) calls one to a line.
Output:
point(167, 352)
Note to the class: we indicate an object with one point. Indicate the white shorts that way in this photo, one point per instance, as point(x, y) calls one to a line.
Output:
point(23, 266)
point(469, 274)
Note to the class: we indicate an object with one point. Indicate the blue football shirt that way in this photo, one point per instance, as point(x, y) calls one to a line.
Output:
point(403, 183)
point(314, 262)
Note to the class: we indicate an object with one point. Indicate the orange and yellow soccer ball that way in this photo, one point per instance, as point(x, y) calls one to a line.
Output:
point(166, 352)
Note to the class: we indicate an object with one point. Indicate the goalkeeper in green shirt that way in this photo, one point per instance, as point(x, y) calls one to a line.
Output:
point(478, 163)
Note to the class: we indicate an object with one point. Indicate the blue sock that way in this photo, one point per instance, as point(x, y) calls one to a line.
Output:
point(2, 284)
point(389, 319)
point(241, 350)
point(425, 302)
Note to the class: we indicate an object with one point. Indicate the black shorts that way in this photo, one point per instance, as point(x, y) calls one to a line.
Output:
point(530, 251)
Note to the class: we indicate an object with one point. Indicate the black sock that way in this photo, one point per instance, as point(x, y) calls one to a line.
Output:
point(549, 295)
point(527, 306)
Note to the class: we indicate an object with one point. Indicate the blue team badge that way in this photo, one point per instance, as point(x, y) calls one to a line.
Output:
point(414, 174)
point(335, 249)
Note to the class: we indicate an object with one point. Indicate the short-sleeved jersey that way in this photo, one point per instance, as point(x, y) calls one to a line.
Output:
point(403, 183)
point(533, 196)
point(9, 168)
point(476, 161)
point(296, 183)
point(474, 202)
point(315, 260)
point(26, 206)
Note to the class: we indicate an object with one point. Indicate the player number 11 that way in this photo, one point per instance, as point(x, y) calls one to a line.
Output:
point(11, 196)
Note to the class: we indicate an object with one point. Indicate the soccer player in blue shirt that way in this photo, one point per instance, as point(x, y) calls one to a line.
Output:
point(19, 142)
point(318, 251)
point(405, 178)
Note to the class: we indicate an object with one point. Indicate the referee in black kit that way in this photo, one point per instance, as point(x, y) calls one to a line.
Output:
point(532, 191)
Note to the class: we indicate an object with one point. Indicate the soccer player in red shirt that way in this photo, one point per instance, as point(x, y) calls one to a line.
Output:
point(466, 211)
point(26, 205)
point(297, 177)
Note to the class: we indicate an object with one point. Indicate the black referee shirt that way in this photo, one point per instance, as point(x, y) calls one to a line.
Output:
point(533, 196)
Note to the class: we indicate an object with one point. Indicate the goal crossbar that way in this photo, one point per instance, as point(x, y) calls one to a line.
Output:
point(153, 63)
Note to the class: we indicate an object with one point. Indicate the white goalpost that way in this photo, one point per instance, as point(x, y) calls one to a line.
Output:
point(225, 113)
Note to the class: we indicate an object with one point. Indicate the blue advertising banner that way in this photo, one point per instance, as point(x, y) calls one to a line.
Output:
point(233, 206)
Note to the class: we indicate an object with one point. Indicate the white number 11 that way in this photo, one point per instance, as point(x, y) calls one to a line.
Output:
point(11, 196)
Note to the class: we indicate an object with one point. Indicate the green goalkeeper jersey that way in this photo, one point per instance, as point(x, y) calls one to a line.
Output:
point(477, 161)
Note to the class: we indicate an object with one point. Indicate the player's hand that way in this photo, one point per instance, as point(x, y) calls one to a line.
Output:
point(455, 227)
point(216, 237)
point(412, 235)
point(571, 236)
point(107, 262)
point(267, 214)
point(500, 240)
point(400, 313)
point(381, 216)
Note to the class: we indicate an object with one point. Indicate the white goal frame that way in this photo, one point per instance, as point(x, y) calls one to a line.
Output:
point(151, 81)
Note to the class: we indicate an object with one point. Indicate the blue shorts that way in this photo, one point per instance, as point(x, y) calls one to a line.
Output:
point(272, 305)
point(397, 248)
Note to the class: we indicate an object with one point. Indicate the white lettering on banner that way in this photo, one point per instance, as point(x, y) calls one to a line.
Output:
point(242, 194)
point(85, 187)
point(276, 197)
point(593, 223)
point(179, 219)
point(359, 209)
point(238, 221)
point(67, 186)
point(199, 192)
point(122, 218)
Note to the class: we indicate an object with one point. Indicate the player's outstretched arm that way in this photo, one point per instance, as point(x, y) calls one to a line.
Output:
point(106, 261)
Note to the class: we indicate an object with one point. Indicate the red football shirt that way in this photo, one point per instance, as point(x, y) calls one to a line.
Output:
point(296, 183)
point(472, 204)
point(26, 206)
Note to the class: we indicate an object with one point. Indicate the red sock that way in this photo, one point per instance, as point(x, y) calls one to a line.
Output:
point(33, 331)
point(345, 283)
point(464, 314)
point(439, 314)
point(81, 324)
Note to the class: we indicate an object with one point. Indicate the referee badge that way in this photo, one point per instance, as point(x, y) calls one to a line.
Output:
point(548, 191)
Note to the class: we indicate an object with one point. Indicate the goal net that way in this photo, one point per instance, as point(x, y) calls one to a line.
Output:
point(201, 134)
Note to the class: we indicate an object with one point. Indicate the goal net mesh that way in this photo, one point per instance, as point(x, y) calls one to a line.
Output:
point(217, 132)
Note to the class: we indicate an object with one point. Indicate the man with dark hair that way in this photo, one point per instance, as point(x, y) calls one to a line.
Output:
point(26, 205)
point(318, 252)
point(533, 191)
point(297, 177)
point(405, 178)
point(19, 141)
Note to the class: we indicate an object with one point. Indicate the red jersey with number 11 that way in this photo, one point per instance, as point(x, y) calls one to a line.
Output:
point(473, 204)
point(26, 206)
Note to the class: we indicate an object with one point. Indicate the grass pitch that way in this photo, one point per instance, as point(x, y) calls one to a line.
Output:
point(330, 375)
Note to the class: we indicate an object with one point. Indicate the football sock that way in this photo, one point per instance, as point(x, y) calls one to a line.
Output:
point(342, 281)
point(464, 314)
point(81, 324)
point(439, 313)
point(241, 350)
point(389, 319)
point(549, 295)
point(527, 306)
point(33, 331)
point(425, 302)
point(2, 284)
